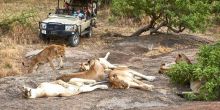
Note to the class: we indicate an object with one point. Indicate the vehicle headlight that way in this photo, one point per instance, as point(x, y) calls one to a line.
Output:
point(43, 25)
point(70, 28)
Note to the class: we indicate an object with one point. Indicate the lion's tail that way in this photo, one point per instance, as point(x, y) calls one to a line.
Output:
point(106, 56)
point(67, 77)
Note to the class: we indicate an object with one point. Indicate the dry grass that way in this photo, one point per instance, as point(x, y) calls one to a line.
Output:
point(158, 51)
point(10, 57)
point(18, 36)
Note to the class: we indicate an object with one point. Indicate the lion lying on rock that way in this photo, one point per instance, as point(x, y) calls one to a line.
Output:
point(95, 72)
point(61, 88)
point(122, 76)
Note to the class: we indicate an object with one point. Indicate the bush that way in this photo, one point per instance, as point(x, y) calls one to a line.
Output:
point(21, 19)
point(207, 69)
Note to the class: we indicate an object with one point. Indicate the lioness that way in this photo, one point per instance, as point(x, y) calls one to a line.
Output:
point(179, 58)
point(124, 78)
point(85, 66)
point(164, 67)
point(95, 72)
point(61, 88)
point(46, 55)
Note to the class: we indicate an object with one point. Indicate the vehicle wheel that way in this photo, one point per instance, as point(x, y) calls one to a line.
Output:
point(90, 32)
point(74, 39)
point(44, 38)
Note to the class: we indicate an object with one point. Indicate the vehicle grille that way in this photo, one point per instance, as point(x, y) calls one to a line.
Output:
point(55, 27)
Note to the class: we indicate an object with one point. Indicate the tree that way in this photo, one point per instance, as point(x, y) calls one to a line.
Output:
point(175, 15)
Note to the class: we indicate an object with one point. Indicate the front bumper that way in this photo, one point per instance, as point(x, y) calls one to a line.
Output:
point(55, 29)
point(56, 33)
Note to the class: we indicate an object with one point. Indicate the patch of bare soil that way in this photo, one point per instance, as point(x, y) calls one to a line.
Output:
point(143, 54)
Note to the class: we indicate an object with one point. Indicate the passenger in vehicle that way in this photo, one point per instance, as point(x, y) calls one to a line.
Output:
point(67, 7)
point(79, 13)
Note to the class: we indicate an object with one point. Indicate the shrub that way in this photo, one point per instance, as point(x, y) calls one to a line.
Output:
point(174, 15)
point(22, 19)
point(207, 69)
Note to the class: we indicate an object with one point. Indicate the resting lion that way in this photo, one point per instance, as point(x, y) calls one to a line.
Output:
point(164, 67)
point(95, 72)
point(85, 66)
point(61, 88)
point(46, 55)
point(122, 76)
point(179, 58)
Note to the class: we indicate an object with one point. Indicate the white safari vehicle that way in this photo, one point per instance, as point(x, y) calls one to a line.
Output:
point(76, 18)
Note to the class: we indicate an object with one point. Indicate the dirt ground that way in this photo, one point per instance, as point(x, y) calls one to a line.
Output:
point(143, 54)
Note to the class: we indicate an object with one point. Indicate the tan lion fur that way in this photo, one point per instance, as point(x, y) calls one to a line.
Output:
point(179, 58)
point(95, 72)
point(124, 78)
point(46, 56)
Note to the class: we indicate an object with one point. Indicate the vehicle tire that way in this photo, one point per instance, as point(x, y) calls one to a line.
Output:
point(74, 39)
point(90, 32)
point(44, 38)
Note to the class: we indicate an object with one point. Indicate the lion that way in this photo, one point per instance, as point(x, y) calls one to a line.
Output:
point(95, 72)
point(124, 78)
point(61, 88)
point(164, 67)
point(46, 56)
point(107, 65)
point(182, 57)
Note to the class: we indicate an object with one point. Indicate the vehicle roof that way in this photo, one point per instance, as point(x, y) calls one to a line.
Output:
point(79, 3)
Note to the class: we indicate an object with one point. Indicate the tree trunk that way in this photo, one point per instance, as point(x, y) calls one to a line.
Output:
point(145, 28)
point(155, 30)
point(141, 30)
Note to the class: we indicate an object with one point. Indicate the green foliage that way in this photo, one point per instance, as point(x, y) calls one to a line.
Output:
point(22, 18)
point(207, 70)
point(179, 71)
point(128, 8)
point(191, 14)
point(209, 55)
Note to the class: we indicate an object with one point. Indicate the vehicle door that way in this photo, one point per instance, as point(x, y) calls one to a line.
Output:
point(85, 23)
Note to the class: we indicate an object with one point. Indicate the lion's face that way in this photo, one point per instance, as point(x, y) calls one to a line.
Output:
point(60, 50)
point(116, 82)
point(182, 58)
point(84, 67)
point(87, 65)
point(164, 67)
point(26, 92)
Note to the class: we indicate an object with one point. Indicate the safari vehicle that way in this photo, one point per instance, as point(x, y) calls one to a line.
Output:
point(76, 18)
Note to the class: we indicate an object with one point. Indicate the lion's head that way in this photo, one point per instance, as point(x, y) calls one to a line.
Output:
point(116, 82)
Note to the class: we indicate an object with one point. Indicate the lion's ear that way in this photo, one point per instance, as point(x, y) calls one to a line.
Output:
point(21, 88)
point(179, 55)
point(89, 61)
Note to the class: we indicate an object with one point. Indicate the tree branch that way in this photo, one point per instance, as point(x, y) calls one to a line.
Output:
point(158, 27)
point(154, 17)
